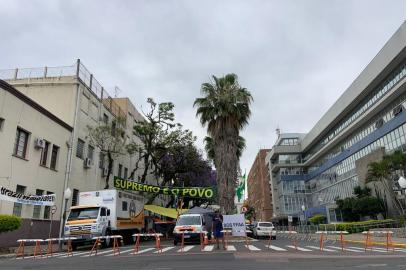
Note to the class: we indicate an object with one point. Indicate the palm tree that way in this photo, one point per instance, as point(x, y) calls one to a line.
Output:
point(381, 172)
point(209, 147)
point(225, 110)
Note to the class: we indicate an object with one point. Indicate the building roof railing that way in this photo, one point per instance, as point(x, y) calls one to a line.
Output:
point(77, 70)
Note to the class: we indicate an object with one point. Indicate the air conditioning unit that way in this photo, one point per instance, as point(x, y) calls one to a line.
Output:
point(87, 163)
point(105, 171)
point(39, 143)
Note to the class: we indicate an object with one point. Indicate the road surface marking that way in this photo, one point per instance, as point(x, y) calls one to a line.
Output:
point(121, 252)
point(346, 249)
point(98, 253)
point(276, 248)
point(143, 251)
point(77, 253)
point(324, 249)
point(186, 248)
point(208, 248)
point(252, 248)
point(231, 248)
point(368, 249)
point(164, 250)
point(299, 248)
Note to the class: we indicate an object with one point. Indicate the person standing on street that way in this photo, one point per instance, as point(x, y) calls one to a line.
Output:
point(217, 228)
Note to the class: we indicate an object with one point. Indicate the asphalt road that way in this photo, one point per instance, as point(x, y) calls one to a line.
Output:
point(256, 256)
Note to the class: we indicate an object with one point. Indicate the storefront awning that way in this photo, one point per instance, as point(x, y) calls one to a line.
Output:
point(167, 212)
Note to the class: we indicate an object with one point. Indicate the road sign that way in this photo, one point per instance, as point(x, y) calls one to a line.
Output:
point(244, 209)
point(290, 218)
point(53, 209)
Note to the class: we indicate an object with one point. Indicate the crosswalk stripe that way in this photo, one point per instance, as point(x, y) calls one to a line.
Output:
point(346, 249)
point(121, 252)
point(400, 249)
point(231, 248)
point(98, 253)
point(252, 248)
point(324, 249)
point(208, 248)
point(164, 250)
point(76, 253)
point(299, 248)
point(368, 249)
point(144, 250)
point(186, 248)
point(276, 248)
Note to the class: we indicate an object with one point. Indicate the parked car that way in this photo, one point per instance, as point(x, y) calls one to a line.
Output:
point(264, 229)
point(248, 229)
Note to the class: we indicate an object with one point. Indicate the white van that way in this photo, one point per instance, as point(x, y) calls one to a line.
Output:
point(190, 225)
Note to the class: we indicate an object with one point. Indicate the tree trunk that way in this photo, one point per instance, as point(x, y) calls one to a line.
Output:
point(110, 168)
point(226, 166)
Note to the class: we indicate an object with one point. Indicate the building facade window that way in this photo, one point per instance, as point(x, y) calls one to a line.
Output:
point(17, 208)
point(21, 143)
point(125, 173)
point(80, 148)
point(75, 197)
point(105, 118)
point(1, 123)
point(54, 157)
point(37, 208)
point(47, 208)
point(101, 160)
point(44, 154)
point(120, 170)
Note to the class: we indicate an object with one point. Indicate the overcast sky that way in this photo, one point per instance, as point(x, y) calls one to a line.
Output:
point(296, 57)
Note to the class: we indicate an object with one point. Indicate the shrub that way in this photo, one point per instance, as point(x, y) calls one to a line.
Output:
point(317, 219)
point(9, 223)
point(356, 227)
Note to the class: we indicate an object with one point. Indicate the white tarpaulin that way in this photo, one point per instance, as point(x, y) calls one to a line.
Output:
point(12, 196)
point(236, 223)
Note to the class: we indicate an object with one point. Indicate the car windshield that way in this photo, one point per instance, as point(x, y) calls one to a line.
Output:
point(189, 220)
point(265, 224)
point(84, 213)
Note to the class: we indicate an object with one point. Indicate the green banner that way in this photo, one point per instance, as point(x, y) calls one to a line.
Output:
point(191, 192)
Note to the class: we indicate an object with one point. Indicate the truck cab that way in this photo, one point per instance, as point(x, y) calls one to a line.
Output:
point(86, 222)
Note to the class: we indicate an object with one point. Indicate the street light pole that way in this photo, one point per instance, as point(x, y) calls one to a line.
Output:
point(66, 195)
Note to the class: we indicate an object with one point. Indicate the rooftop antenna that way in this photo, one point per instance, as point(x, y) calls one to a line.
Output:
point(117, 90)
point(278, 131)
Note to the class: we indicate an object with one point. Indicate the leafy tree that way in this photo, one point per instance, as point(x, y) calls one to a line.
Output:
point(317, 219)
point(153, 135)
point(9, 223)
point(381, 172)
point(111, 140)
point(209, 147)
point(225, 110)
point(363, 204)
point(250, 213)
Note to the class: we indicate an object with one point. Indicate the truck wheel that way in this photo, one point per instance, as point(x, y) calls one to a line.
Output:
point(175, 243)
point(74, 247)
point(107, 242)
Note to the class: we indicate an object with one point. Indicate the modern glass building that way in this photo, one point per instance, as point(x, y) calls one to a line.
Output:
point(310, 171)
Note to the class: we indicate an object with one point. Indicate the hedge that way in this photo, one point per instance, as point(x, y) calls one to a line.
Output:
point(9, 223)
point(354, 227)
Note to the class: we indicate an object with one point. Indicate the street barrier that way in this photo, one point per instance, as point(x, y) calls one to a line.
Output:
point(369, 239)
point(63, 239)
point(138, 236)
point(323, 238)
point(37, 248)
point(97, 243)
point(203, 240)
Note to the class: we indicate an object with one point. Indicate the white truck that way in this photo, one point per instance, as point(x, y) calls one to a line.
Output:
point(103, 213)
